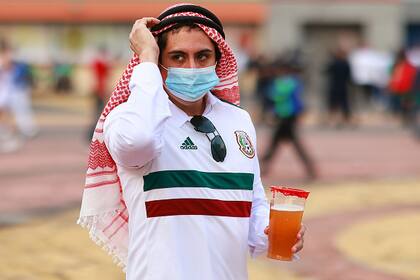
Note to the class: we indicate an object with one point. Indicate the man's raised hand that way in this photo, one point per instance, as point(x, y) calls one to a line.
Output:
point(142, 41)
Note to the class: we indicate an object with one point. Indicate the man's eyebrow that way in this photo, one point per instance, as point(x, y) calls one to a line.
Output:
point(205, 51)
point(176, 52)
point(182, 52)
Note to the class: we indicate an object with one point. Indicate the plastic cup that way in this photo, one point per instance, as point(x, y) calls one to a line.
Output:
point(286, 211)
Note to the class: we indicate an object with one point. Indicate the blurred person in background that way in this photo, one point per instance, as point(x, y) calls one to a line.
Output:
point(263, 68)
point(338, 75)
point(101, 69)
point(401, 86)
point(187, 202)
point(15, 99)
point(62, 73)
point(414, 58)
point(286, 94)
point(370, 73)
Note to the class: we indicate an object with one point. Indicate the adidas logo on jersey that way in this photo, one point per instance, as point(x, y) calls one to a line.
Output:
point(188, 145)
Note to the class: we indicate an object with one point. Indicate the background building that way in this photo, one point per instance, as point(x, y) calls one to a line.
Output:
point(319, 27)
point(47, 33)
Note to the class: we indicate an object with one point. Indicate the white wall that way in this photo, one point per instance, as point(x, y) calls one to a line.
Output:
point(383, 23)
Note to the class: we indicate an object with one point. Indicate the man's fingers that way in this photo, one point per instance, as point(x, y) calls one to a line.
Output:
point(302, 231)
point(142, 41)
point(152, 22)
point(298, 246)
point(300, 239)
point(132, 47)
point(148, 21)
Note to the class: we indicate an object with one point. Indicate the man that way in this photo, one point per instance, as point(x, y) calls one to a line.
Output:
point(187, 200)
point(286, 92)
point(338, 76)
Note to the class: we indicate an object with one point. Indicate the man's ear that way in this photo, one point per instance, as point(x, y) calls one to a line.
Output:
point(163, 72)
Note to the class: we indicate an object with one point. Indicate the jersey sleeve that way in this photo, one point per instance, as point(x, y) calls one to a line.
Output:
point(132, 131)
point(257, 239)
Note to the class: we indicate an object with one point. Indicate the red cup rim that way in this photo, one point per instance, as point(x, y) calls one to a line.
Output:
point(289, 191)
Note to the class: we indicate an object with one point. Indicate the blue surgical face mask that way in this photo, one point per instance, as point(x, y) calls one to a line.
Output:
point(191, 84)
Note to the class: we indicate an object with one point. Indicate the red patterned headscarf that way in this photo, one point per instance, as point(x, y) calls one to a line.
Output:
point(103, 211)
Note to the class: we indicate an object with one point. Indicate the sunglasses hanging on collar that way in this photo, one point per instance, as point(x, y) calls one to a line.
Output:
point(217, 145)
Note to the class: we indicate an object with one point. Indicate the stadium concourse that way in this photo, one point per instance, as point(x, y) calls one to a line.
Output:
point(363, 213)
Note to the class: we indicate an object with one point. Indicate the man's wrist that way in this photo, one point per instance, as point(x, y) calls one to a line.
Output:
point(149, 55)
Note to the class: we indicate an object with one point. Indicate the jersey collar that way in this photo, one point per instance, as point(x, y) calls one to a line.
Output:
point(179, 117)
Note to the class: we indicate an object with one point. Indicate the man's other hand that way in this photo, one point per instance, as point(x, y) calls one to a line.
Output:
point(299, 238)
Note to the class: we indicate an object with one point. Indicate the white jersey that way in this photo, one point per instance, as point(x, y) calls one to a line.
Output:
point(190, 216)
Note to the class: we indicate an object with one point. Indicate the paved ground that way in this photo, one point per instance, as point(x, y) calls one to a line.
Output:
point(363, 213)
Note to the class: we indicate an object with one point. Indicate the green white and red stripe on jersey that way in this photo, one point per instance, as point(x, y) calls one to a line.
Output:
point(198, 193)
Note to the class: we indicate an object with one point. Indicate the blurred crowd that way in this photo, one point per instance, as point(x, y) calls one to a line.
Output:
point(360, 80)
point(379, 79)
point(19, 80)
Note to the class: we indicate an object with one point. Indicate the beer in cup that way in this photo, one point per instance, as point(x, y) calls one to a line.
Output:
point(286, 211)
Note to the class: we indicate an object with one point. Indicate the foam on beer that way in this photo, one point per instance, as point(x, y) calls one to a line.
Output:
point(287, 207)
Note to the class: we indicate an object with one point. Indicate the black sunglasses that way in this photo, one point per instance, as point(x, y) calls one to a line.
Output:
point(218, 147)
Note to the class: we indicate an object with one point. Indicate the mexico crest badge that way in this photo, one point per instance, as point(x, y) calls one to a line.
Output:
point(245, 144)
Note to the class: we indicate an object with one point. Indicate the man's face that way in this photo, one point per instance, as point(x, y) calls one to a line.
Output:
point(188, 48)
